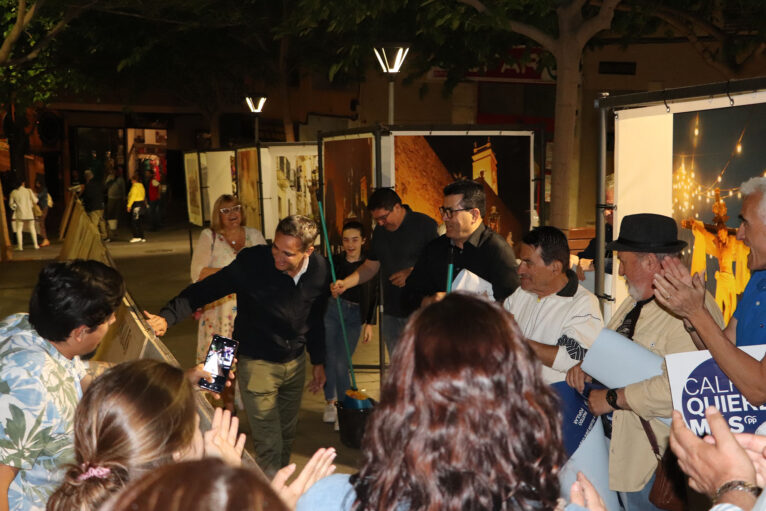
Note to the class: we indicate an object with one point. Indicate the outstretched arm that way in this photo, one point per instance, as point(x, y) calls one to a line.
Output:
point(365, 272)
point(687, 301)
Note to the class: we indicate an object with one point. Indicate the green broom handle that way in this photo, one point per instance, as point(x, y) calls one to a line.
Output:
point(337, 300)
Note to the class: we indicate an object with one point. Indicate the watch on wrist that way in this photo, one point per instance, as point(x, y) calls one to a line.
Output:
point(736, 486)
point(611, 398)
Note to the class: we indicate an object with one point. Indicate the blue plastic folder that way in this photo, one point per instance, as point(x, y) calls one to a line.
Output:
point(585, 445)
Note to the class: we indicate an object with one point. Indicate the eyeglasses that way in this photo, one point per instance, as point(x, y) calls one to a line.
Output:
point(448, 212)
point(382, 218)
point(233, 209)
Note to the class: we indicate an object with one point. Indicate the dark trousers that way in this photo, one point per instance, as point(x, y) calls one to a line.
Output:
point(136, 215)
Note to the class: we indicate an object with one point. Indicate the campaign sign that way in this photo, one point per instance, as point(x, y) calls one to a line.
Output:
point(576, 419)
point(697, 382)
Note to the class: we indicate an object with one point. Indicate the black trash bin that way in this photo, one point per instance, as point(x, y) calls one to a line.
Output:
point(351, 422)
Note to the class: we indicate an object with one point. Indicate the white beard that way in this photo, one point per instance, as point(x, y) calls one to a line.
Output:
point(635, 293)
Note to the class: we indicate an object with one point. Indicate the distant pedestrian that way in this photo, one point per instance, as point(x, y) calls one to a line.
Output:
point(44, 202)
point(93, 202)
point(136, 207)
point(22, 201)
point(115, 197)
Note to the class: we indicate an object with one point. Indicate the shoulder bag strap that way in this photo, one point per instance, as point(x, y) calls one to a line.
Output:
point(651, 436)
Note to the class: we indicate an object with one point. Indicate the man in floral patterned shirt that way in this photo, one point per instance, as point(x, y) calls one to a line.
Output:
point(42, 376)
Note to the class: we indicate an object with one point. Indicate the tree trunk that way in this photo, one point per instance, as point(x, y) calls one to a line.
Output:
point(565, 178)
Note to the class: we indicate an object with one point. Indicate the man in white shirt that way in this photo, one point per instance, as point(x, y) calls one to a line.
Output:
point(558, 316)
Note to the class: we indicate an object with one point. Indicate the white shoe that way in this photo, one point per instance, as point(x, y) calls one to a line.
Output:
point(135, 240)
point(336, 426)
point(330, 414)
point(143, 240)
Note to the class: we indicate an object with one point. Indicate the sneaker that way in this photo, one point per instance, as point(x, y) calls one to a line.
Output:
point(330, 414)
point(107, 240)
point(135, 240)
point(143, 240)
point(336, 426)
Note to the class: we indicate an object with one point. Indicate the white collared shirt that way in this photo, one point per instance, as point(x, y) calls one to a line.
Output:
point(302, 270)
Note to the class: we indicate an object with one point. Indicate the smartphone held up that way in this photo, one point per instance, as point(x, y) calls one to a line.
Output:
point(218, 361)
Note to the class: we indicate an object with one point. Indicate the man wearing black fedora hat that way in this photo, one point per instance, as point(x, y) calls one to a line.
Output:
point(644, 241)
point(682, 294)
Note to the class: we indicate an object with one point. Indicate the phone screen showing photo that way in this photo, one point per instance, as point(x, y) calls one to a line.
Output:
point(218, 362)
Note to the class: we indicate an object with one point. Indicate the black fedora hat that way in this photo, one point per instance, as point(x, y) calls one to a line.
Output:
point(647, 232)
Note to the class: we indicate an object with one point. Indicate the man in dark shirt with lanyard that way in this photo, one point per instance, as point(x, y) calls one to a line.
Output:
point(281, 293)
point(397, 241)
point(468, 243)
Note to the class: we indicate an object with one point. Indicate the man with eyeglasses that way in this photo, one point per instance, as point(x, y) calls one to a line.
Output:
point(397, 241)
point(469, 244)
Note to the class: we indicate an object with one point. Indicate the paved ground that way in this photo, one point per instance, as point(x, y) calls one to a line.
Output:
point(156, 271)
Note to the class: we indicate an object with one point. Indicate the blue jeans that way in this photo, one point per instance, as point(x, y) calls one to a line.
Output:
point(336, 363)
point(639, 500)
point(392, 329)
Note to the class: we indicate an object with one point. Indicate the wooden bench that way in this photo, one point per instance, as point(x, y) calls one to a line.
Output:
point(579, 237)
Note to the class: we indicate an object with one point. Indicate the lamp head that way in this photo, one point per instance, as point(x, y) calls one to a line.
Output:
point(255, 103)
point(391, 56)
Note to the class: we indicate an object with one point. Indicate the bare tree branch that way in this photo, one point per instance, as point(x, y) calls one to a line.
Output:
point(699, 46)
point(169, 21)
point(573, 8)
point(15, 32)
point(28, 16)
point(44, 42)
point(601, 21)
point(757, 51)
point(534, 33)
point(476, 4)
point(537, 35)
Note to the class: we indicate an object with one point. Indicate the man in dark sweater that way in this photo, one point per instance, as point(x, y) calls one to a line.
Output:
point(281, 293)
point(469, 244)
point(397, 241)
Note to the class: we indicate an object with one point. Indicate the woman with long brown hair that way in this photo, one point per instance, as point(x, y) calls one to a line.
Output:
point(465, 421)
point(135, 417)
point(141, 415)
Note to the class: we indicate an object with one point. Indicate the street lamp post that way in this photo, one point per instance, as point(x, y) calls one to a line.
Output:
point(255, 103)
point(391, 57)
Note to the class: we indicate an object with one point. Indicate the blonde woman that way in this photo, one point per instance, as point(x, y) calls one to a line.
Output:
point(216, 248)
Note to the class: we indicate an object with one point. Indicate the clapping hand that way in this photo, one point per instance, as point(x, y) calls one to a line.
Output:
point(223, 439)
point(319, 466)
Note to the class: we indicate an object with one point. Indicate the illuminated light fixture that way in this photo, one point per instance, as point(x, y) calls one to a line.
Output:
point(696, 132)
point(391, 57)
point(739, 148)
point(256, 103)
